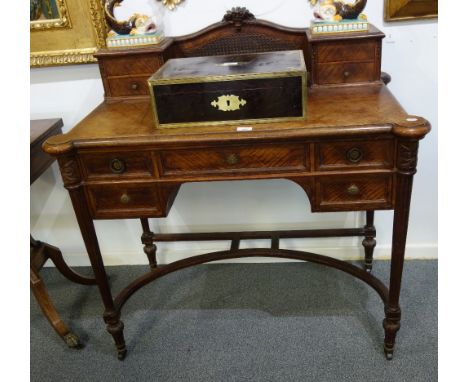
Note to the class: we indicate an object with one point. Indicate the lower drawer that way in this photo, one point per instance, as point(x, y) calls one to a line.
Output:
point(347, 72)
point(129, 86)
point(354, 192)
point(123, 200)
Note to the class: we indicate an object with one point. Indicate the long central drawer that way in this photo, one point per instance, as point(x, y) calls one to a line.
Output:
point(235, 159)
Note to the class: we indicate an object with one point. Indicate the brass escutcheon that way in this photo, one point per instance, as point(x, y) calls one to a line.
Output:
point(354, 155)
point(232, 159)
point(124, 199)
point(228, 102)
point(117, 166)
point(353, 190)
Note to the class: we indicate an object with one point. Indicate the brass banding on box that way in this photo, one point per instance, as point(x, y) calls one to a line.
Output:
point(218, 90)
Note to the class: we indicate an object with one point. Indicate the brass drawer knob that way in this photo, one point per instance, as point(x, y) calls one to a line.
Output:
point(232, 159)
point(117, 166)
point(135, 86)
point(353, 190)
point(125, 199)
point(346, 74)
point(354, 155)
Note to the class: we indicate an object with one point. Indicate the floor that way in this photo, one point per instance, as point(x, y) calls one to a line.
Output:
point(242, 322)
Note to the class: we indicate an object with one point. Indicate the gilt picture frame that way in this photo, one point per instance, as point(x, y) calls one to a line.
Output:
point(400, 10)
point(48, 14)
point(75, 32)
point(72, 38)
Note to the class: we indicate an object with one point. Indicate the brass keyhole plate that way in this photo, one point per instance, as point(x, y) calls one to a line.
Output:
point(228, 102)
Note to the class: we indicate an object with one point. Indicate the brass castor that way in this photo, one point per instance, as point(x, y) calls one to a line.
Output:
point(121, 354)
point(72, 341)
point(368, 268)
point(389, 355)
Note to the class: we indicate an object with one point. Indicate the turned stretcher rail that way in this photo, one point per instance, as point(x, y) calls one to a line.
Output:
point(285, 234)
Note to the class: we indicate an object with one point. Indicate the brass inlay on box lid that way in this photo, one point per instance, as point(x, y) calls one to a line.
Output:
point(230, 67)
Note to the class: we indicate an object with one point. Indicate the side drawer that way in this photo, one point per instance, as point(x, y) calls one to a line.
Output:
point(117, 165)
point(348, 72)
point(128, 86)
point(357, 192)
point(352, 155)
point(236, 159)
point(135, 64)
point(123, 200)
point(348, 51)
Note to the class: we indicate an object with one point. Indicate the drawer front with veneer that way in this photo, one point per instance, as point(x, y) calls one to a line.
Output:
point(362, 192)
point(348, 72)
point(129, 86)
point(348, 51)
point(124, 200)
point(117, 165)
point(120, 66)
point(236, 159)
point(352, 155)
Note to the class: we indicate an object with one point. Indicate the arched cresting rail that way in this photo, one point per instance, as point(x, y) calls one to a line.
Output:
point(161, 271)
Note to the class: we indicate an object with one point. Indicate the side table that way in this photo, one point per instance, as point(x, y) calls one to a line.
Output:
point(40, 252)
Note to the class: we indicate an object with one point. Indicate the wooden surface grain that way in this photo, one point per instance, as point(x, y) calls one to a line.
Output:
point(353, 109)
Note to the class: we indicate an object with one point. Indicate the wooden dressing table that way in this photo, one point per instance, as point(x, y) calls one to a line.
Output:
point(357, 151)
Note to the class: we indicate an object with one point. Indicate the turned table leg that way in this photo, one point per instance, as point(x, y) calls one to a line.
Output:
point(406, 168)
point(369, 240)
point(149, 246)
point(111, 316)
point(72, 181)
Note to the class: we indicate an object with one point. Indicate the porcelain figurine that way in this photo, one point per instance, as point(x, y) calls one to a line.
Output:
point(337, 10)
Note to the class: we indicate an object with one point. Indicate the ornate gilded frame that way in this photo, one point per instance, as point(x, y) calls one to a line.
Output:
point(63, 21)
point(74, 37)
point(76, 43)
point(397, 10)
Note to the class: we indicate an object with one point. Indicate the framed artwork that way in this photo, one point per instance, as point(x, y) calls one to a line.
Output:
point(65, 31)
point(47, 14)
point(396, 10)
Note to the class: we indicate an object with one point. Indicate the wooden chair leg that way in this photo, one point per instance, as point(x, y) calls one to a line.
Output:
point(56, 256)
point(149, 246)
point(369, 241)
point(40, 292)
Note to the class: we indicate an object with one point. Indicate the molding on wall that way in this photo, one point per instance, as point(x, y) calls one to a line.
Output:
point(166, 255)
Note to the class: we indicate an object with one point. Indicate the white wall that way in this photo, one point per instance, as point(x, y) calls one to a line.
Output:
point(409, 55)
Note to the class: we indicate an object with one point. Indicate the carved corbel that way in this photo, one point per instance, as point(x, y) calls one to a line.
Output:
point(409, 131)
point(70, 171)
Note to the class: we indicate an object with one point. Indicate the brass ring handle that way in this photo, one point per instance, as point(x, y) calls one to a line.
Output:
point(232, 159)
point(353, 190)
point(354, 155)
point(117, 166)
point(125, 199)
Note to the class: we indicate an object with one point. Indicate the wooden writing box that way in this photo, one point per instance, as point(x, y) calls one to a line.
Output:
point(215, 90)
